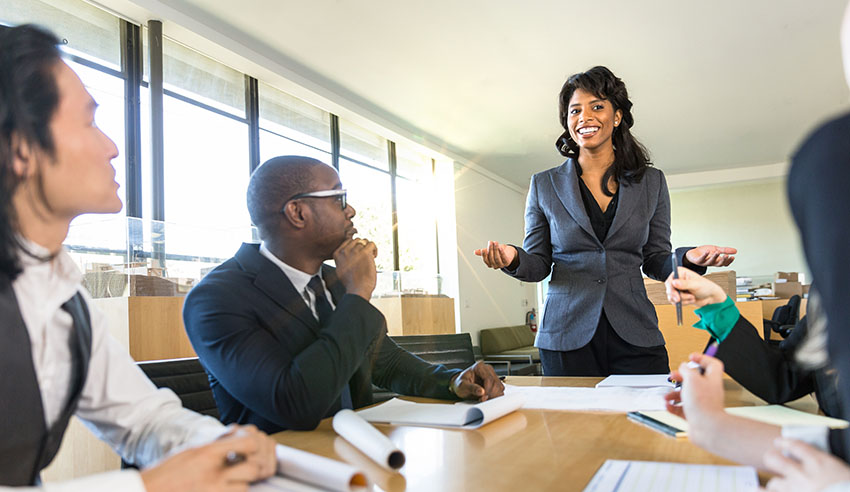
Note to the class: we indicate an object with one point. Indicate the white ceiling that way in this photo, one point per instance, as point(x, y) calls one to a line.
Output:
point(715, 85)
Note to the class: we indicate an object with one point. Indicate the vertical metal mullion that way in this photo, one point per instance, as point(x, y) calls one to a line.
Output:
point(157, 136)
point(393, 169)
point(252, 114)
point(335, 141)
point(436, 219)
point(132, 70)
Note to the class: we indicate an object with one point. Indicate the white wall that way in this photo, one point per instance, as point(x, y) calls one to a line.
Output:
point(488, 210)
point(752, 216)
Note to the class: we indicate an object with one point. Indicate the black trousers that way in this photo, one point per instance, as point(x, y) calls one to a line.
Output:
point(605, 354)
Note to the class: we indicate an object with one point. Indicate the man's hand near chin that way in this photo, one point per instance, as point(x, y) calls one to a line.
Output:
point(477, 382)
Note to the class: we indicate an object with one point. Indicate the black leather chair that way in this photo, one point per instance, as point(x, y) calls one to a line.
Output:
point(784, 318)
point(186, 378)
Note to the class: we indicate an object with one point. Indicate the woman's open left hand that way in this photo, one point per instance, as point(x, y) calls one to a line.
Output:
point(710, 255)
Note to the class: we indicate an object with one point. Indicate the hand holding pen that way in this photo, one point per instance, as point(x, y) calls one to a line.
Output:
point(702, 389)
point(692, 288)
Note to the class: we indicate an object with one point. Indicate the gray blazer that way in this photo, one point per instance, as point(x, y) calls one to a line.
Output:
point(588, 276)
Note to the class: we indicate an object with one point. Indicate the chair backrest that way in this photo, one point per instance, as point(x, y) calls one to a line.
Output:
point(789, 313)
point(187, 378)
point(497, 340)
point(453, 351)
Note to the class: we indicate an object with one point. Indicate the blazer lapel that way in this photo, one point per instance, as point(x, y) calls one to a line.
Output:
point(565, 182)
point(273, 282)
point(629, 194)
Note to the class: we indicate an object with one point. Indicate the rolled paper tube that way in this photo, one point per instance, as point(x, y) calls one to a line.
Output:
point(318, 470)
point(363, 436)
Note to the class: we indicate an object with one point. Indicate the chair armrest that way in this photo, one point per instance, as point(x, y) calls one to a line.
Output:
point(506, 362)
point(514, 358)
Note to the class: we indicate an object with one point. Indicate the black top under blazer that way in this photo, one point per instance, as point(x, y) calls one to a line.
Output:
point(589, 275)
point(270, 363)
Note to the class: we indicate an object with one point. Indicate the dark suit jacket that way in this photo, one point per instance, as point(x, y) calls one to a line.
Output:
point(818, 184)
point(270, 363)
point(589, 275)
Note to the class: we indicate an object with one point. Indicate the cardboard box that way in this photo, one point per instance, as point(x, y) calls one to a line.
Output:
point(785, 290)
point(787, 276)
point(657, 293)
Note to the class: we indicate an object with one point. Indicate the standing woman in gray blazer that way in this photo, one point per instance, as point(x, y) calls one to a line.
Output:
point(594, 222)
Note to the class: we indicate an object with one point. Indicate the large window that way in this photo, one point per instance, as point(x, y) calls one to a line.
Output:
point(210, 115)
point(417, 211)
point(206, 158)
point(364, 171)
point(290, 126)
point(369, 194)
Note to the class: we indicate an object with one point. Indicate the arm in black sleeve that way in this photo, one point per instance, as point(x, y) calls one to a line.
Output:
point(402, 372)
point(656, 251)
point(292, 388)
point(767, 371)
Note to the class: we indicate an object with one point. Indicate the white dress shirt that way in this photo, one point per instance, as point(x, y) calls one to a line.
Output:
point(119, 404)
point(299, 280)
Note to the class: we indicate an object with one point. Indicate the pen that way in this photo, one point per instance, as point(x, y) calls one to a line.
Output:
point(676, 276)
point(710, 351)
point(234, 458)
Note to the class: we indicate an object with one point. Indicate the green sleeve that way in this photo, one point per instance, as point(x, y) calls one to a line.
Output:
point(718, 319)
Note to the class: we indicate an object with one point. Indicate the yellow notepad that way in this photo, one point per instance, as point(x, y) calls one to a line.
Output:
point(770, 414)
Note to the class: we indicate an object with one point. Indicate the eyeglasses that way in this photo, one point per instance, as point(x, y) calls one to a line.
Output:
point(340, 195)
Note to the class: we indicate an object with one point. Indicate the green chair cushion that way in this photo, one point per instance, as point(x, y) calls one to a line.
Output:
point(499, 340)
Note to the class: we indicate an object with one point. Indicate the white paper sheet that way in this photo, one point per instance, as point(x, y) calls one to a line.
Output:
point(650, 476)
point(368, 439)
point(636, 381)
point(466, 416)
point(579, 399)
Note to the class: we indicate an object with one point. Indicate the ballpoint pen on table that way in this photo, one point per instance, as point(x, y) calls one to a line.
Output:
point(676, 276)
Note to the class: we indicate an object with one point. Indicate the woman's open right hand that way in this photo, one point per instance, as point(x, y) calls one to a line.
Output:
point(497, 255)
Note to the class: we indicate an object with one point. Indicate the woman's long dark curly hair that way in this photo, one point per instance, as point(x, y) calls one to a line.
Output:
point(630, 157)
point(28, 99)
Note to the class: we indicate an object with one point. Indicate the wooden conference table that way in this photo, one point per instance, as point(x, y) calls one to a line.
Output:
point(526, 450)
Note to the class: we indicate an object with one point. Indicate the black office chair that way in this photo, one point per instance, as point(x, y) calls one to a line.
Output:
point(783, 320)
point(186, 378)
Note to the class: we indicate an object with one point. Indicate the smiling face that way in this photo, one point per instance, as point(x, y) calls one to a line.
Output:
point(591, 120)
point(78, 178)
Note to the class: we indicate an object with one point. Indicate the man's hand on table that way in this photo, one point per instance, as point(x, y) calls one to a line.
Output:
point(477, 382)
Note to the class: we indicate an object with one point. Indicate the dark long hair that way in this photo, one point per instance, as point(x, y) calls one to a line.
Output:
point(630, 157)
point(28, 99)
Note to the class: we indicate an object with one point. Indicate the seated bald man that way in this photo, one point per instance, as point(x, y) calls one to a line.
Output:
point(287, 340)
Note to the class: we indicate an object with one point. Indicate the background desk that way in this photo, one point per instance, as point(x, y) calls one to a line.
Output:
point(527, 450)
